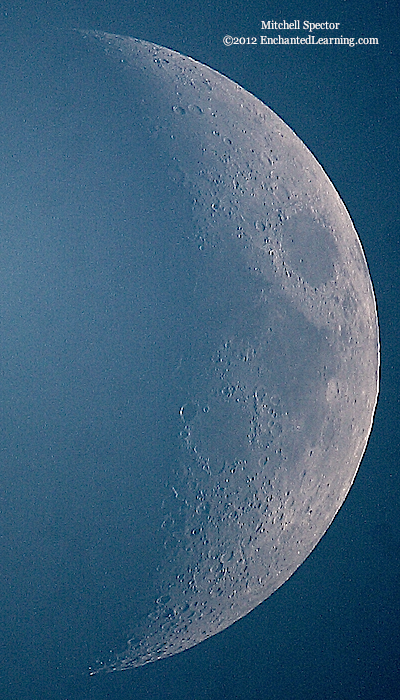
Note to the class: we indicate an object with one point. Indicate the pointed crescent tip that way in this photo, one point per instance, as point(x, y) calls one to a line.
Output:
point(88, 32)
point(100, 34)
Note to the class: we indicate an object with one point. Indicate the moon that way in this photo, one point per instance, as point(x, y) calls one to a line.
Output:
point(198, 347)
point(275, 411)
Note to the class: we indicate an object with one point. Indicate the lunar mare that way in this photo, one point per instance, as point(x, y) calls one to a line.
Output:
point(275, 368)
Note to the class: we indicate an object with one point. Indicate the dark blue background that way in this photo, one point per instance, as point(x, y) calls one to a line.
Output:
point(332, 631)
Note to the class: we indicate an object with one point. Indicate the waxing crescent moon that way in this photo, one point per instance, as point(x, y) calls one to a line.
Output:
point(189, 346)
point(273, 416)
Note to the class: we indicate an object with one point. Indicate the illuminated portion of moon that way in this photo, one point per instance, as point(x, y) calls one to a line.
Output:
point(272, 378)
